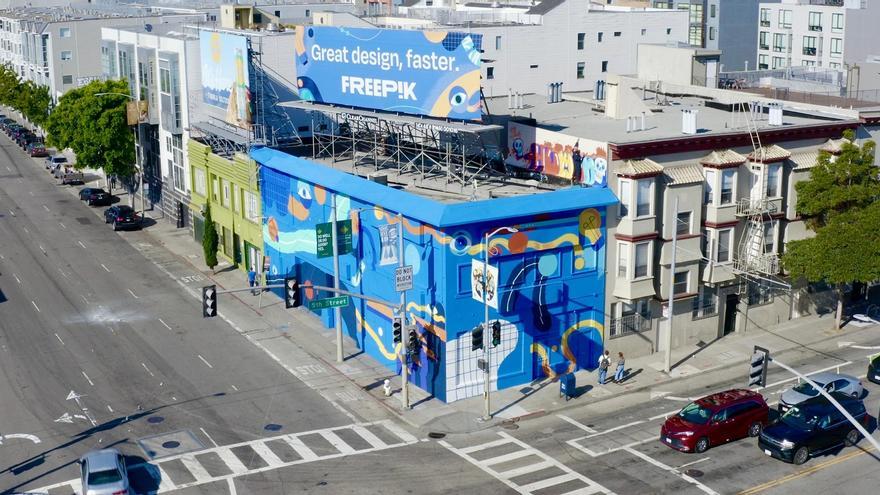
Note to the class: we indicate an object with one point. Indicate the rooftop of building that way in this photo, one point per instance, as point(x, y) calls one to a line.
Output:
point(175, 30)
point(83, 13)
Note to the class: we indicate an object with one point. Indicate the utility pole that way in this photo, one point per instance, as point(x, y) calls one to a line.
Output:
point(667, 352)
point(337, 311)
point(487, 411)
point(404, 373)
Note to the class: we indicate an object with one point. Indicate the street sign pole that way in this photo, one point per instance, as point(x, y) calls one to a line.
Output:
point(667, 352)
point(404, 374)
point(487, 412)
point(337, 312)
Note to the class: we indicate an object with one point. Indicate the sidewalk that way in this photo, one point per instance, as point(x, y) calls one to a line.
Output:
point(296, 338)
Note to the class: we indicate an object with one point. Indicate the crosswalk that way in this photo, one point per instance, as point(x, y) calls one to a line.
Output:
point(229, 461)
point(525, 469)
point(621, 437)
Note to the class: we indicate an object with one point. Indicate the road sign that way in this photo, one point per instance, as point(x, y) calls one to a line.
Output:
point(324, 235)
point(330, 302)
point(403, 278)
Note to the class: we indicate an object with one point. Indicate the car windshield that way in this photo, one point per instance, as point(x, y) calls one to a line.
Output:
point(694, 413)
point(807, 389)
point(800, 419)
point(104, 477)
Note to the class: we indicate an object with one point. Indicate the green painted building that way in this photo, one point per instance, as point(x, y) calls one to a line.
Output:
point(231, 187)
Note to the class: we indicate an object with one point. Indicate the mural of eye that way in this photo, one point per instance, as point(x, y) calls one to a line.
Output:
point(461, 242)
point(458, 98)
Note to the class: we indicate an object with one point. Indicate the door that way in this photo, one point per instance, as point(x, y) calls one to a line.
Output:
point(730, 305)
point(719, 426)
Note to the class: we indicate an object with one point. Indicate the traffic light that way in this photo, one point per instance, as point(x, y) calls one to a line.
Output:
point(477, 338)
point(496, 333)
point(292, 295)
point(209, 301)
point(758, 368)
point(413, 341)
point(397, 329)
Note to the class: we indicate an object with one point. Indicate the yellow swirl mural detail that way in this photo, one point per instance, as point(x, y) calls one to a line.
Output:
point(545, 359)
point(362, 323)
point(566, 351)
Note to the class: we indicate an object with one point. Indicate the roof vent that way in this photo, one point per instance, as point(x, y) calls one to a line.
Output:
point(775, 114)
point(689, 121)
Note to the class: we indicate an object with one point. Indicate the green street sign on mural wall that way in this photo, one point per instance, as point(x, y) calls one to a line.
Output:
point(330, 302)
point(324, 235)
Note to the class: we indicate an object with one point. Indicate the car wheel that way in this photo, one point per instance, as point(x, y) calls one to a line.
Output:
point(801, 455)
point(852, 438)
point(855, 395)
point(755, 429)
point(702, 445)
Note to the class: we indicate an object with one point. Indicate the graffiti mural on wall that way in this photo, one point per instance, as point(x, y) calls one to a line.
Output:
point(552, 153)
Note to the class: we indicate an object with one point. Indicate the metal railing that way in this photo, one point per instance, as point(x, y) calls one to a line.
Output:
point(634, 323)
point(748, 207)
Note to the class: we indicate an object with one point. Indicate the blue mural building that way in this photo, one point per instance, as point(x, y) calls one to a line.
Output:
point(545, 283)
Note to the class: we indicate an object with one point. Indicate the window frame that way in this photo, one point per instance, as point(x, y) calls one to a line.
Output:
point(774, 190)
point(706, 302)
point(835, 26)
point(623, 260)
point(638, 197)
point(716, 245)
point(581, 40)
point(676, 283)
point(200, 182)
point(64, 58)
point(647, 245)
point(709, 187)
point(688, 225)
point(63, 30)
point(581, 68)
point(771, 226)
point(625, 205)
point(838, 43)
point(732, 199)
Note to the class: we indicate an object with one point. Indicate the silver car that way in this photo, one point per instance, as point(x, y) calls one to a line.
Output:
point(104, 473)
point(831, 382)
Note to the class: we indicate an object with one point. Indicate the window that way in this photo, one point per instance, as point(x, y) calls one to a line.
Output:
point(165, 80)
point(498, 42)
point(706, 302)
point(644, 31)
point(600, 37)
point(709, 193)
point(815, 21)
point(226, 193)
point(66, 55)
point(680, 283)
point(683, 223)
point(836, 46)
point(809, 45)
point(277, 13)
point(765, 17)
point(770, 237)
point(668, 31)
point(199, 185)
point(533, 66)
point(630, 317)
point(764, 40)
point(64, 33)
point(625, 198)
point(778, 42)
point(809, 63)
point(251, 212)
point(711, 33)
point(763, 62)
point(236, 198)
point(308, 13)
point(712, 11)
point(580, 40)
point(604, 66)
point(215, 187)
point(723, 253)
point(785, 18)
point(759, 294)
point(643, 198)
point(617, 34)
point(832, 65)
point(837, 22)
point(67, 79)
point(490, 72)
point(778, 62)
point(728, 177)
point(580, 70)
point(641, 259)
point(622, 259)
point(773, 172)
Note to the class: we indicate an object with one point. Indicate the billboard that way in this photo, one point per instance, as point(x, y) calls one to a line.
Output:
point(431, 73)
point(555, 154)
point(226, 75)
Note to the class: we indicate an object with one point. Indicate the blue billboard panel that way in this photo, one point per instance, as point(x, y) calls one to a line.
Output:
point(226, 75)
point(431, 73)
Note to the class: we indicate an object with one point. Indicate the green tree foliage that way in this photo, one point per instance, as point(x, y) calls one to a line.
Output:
point(95, 127)
point(210, 240)
point(839, 183)
point(27, 97)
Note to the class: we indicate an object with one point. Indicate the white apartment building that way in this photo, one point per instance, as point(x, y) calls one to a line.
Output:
point(817, 33)
point(59, 47)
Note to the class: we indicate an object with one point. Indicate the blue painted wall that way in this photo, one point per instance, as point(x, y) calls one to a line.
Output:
point(550, 288)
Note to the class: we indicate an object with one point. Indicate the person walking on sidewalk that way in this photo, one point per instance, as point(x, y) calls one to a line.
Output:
point(604, 363)
point(621, 366)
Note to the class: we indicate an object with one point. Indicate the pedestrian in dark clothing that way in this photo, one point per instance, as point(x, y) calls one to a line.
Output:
point(621, 366)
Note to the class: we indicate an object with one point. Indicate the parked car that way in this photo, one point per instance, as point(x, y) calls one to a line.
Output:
point(831, 382)
point(37, 149)
point(95, 196)
point(122, 217)
point(103, 472)
point(53, 161)
point(24, 138)
point(874, 369)
point(71, 176)
point(12, 128)
point(716, 419)
point(812, 427)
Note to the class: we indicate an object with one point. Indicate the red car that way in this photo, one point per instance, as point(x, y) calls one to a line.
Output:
point(716, 419)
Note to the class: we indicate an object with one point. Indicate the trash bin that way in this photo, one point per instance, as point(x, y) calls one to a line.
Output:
point(567, 386)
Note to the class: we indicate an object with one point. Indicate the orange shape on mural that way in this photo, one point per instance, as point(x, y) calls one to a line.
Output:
point(518, 242)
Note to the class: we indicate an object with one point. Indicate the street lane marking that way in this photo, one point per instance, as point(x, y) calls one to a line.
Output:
point(234, 388)
point(205, 361)
point(810, 470)
point(163, 322)
point(36, 307)
point(16, 278)
point(233, 462)
point(148, 369)
point(46, 208)
point(42, 249)
point(695, 462)
point(194, 466)
point(337, 442)
point(209, 437)
point(26, 231)
point(25, 436)
point(62, 225)
point(133, 294)
point(87, 378)
point(83, 246)
point(301, 449)
point(579, 425)
point(654, 462)
point(59, 339)
point(105, 268)
point(271, 459)
point(84, 299)
point(109, 408)
point(11, 212)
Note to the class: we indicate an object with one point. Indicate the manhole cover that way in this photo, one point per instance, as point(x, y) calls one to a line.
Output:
point(436, 435)
point(510, 426)
point(272, 427)
point(693, 473)
point(171, 444)
point(155, 419)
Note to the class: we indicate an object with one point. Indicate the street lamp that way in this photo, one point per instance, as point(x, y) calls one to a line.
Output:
point(137, 152)
point(487, 413)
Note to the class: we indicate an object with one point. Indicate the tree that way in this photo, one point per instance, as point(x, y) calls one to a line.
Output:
point(839, 183)
point(845, 250)
point(210, 239)
point(32, 100)
point(95, 127)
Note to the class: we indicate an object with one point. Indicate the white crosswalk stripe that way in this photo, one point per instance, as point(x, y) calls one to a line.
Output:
point(523, 452)
point(236, 467)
